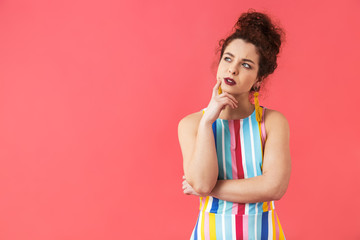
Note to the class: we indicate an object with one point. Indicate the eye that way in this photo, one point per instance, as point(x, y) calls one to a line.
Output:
point(247, 65)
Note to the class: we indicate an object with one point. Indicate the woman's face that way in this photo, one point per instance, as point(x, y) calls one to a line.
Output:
point(241, 63)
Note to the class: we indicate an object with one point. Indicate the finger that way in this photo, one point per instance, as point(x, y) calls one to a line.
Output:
point(228, 100)
point(187, 191)
point(233, 98)
point(217, 85)
point(216, 88)
point(225, 94)
point(233, 104)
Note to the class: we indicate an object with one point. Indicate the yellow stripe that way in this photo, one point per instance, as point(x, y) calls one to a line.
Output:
point(265, 207)
point(273, 224)
point(202, 225)
point(200, 203)
point(206, 202)
point(261, 143)
point(281, 233)
point(212, 226)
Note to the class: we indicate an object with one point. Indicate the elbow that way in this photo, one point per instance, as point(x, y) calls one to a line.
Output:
point(278, 192)
point(275, 188)
point(277, 196)
point(201, 188)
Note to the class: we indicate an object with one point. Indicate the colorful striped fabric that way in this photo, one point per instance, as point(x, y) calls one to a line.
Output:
point(239, 151)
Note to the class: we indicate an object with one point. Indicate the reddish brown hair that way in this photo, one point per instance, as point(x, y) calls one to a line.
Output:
point(258, 29)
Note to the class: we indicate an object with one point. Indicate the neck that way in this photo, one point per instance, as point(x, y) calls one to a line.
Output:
point(245, 108)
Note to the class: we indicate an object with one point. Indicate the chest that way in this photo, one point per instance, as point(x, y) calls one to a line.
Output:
point(238, 148)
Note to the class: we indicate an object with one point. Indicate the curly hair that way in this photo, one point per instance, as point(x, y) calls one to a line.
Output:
point(258, 29)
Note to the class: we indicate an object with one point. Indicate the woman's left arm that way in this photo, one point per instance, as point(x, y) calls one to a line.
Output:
point(273, 182)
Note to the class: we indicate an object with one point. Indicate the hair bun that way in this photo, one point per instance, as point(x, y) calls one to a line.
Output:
point(253, 20)
point(257, 28)
point(260, 26)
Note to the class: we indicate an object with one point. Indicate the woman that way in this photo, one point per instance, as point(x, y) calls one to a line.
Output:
point(236, 155)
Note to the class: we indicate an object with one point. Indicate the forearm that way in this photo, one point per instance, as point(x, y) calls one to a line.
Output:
point(202, 171)
point(249, 190)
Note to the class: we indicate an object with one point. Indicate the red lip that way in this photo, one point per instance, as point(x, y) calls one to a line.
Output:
point(229, 83)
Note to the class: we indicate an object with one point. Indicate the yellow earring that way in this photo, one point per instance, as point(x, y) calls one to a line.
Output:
point(258, 111)
point(219, 90)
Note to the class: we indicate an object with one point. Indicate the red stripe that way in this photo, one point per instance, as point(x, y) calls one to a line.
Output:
point(239, 227)
point(240, 170)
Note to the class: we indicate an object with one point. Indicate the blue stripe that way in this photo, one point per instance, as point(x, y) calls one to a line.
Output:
point(219, 149)
point(228, 162)
point(247, 148)
point(227, 150)
point(196, 227)
point(258, 225)
point(218, 226)
point(260, 207)
point(264, 226)
point(252, 208)
point(251, 226)
point(228, 227)
point(214, 131)
point(257, 144)
point(220, 206)
point(215, 205)
point(217, 126)
point(248, 157)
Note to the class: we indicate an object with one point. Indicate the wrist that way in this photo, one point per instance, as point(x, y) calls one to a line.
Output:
point(205, 122)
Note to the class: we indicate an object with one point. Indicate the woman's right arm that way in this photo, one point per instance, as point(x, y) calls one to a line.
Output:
point(198, 145)
point(199, 154)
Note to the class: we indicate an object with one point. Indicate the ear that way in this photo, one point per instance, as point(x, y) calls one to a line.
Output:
point(258, 82)
point(256, 85)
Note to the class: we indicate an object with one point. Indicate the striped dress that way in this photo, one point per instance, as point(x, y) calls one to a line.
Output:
point(239, 152)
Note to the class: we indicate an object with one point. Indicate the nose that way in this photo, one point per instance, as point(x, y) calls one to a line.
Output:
point(232, 69)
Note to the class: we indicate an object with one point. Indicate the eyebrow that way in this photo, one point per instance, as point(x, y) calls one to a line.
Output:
point(244, 59)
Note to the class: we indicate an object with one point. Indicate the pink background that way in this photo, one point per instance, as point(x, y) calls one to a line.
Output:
point(91, 94)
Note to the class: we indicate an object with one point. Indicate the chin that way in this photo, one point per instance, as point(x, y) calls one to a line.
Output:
point(228, 89)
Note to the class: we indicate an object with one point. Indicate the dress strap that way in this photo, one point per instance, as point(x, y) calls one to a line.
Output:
point(263, 132)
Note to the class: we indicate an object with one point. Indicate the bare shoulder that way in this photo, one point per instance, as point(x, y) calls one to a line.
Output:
point(190, 122)
point(275, 121)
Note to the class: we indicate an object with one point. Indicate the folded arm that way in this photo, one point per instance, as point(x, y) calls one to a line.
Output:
point(199, 153)
point(272, 184)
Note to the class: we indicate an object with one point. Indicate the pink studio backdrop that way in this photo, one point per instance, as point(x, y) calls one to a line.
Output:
point(91, 94)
